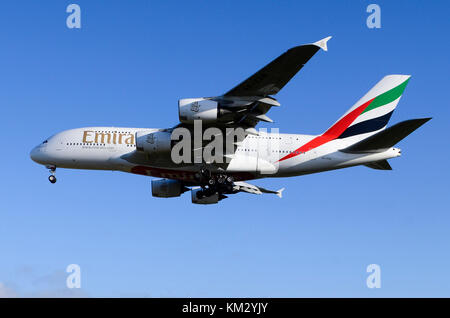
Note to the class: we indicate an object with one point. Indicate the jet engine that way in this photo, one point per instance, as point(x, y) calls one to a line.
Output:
point(223, 110)
point(190, 109)
point(167, 188)
point(207, 110)
point(153, 143)
point(199, 197)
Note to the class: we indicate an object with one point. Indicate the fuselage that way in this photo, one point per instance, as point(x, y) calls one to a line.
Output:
point(258, 156)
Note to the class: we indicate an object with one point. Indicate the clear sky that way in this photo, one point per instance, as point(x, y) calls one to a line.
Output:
point(130, 63)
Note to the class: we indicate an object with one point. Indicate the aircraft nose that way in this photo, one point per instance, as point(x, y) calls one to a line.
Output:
point(37, 155)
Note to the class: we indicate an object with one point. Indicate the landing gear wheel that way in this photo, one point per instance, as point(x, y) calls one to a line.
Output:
point(205, 173)
point(52, 179)
point(221, 179)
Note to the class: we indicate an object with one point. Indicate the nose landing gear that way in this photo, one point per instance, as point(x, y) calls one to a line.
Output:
point(52, 177)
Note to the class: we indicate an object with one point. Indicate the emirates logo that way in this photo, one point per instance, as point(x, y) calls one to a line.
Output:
point(150, 139)
point(195, 107)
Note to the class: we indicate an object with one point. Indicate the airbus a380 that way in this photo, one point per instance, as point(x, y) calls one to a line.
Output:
point(359, 137)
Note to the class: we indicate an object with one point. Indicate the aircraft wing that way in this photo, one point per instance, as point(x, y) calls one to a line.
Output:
point(247, 104)
point(274, 76)
point(241, 186)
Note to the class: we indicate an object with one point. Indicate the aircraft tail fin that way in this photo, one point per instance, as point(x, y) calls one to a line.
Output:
point(387, 138)
point(372, 112)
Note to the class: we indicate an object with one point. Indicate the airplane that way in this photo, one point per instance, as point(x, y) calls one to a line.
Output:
point(358, 137)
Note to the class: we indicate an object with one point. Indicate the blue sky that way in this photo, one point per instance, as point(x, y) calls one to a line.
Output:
point(130, 63)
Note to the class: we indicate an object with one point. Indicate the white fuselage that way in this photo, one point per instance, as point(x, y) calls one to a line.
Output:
point(107, 148)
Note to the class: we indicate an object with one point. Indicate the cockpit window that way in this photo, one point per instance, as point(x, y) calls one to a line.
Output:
point(45, 141)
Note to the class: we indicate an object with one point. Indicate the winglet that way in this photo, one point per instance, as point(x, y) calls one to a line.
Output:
point(280, 193)
point(322, 43)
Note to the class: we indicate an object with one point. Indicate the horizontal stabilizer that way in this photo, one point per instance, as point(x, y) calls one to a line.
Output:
point(386, 138)
point(379, 165)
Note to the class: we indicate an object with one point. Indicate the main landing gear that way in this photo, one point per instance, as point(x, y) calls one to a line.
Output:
point(220, 183)
point(52, 177)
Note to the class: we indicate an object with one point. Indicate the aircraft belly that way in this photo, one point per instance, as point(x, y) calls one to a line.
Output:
point(186, 173)
point(96, 159)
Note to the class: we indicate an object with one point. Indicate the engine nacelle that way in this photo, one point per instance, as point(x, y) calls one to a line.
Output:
point(199, 198)
point(167, 188)
point(190, 109)
point(157, 142)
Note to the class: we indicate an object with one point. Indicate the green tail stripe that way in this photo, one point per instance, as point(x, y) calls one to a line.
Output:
point(387, 97)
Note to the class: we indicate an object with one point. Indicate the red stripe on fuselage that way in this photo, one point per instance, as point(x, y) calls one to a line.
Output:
point(183, 175)
point(332, 133)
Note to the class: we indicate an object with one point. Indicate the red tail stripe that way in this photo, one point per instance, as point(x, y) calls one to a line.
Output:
point(332, 133)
